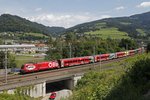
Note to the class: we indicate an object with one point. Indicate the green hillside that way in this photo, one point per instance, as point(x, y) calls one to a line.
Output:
point(136, 26)
point(12, 23)
point(105, 33)
point(23, 36)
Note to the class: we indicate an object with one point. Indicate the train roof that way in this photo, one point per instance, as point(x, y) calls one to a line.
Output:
point(75, 58)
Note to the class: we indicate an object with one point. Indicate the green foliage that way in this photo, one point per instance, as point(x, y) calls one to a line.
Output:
point(140, 75)
point(135, 83)
point(95, 85)
point(148, 47)
point(129, 81)
point(85, 46)
point(5, 96)
point(128, 44)
point(11, 60)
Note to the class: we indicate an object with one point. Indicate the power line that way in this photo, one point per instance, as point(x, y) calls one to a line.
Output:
point(6, 47)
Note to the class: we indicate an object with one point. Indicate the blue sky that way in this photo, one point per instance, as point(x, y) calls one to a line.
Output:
point(67, 13)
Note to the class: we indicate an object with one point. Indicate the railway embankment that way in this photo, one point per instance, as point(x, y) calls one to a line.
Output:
point(130, 80)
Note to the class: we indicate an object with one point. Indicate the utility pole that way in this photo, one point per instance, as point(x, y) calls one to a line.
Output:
point(94, 50)
point(93, 56)
point(70, 50)
point(5, 63)
point(126, 46)
point(107, 48)
point(6, 66)
point(61, 50)
point(100, 61)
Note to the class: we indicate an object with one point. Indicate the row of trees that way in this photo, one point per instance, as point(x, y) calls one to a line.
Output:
point(10, 60)
point(73, 45)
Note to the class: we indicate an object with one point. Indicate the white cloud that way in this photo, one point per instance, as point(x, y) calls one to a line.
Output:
point(65, 20)
point(38, 9)
point(144, 5)
point(120, 8)
point(105, 16)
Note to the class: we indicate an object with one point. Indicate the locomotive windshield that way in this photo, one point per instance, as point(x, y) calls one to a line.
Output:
point(22, 66)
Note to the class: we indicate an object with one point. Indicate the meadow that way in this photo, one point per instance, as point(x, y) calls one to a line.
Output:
point(105, 33)
point(22, 59)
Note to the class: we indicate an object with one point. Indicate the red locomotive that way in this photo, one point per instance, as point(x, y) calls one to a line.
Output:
point(34, 67)
point(31, 67)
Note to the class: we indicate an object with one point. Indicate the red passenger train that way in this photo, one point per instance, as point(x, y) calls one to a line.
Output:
point(34, 67)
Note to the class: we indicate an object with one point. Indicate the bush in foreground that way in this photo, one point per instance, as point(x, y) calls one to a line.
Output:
point(130, 82)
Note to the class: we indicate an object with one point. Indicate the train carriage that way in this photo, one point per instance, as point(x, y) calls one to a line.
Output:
point(132, 52)
point(104, 57)
point(75, 61)
point(101, 57)
point(97, 58)
point(121, 54)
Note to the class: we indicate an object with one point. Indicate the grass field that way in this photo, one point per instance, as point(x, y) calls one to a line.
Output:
point(109, 33)
point(22, 59)
point(125, 23)
point(100, 25)
point(37, 34)
point(142, 33)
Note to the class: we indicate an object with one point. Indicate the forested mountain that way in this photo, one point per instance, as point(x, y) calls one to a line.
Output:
point(11, 23)
point(136, 25)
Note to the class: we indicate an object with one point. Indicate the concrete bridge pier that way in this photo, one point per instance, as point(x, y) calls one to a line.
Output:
point(71, 83)
point(76, 78)
point(37, 90)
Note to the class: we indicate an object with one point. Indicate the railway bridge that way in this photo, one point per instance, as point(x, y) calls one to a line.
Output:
point(40, 83)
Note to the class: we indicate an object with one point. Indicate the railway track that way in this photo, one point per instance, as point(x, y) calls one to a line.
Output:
point(12, 79)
